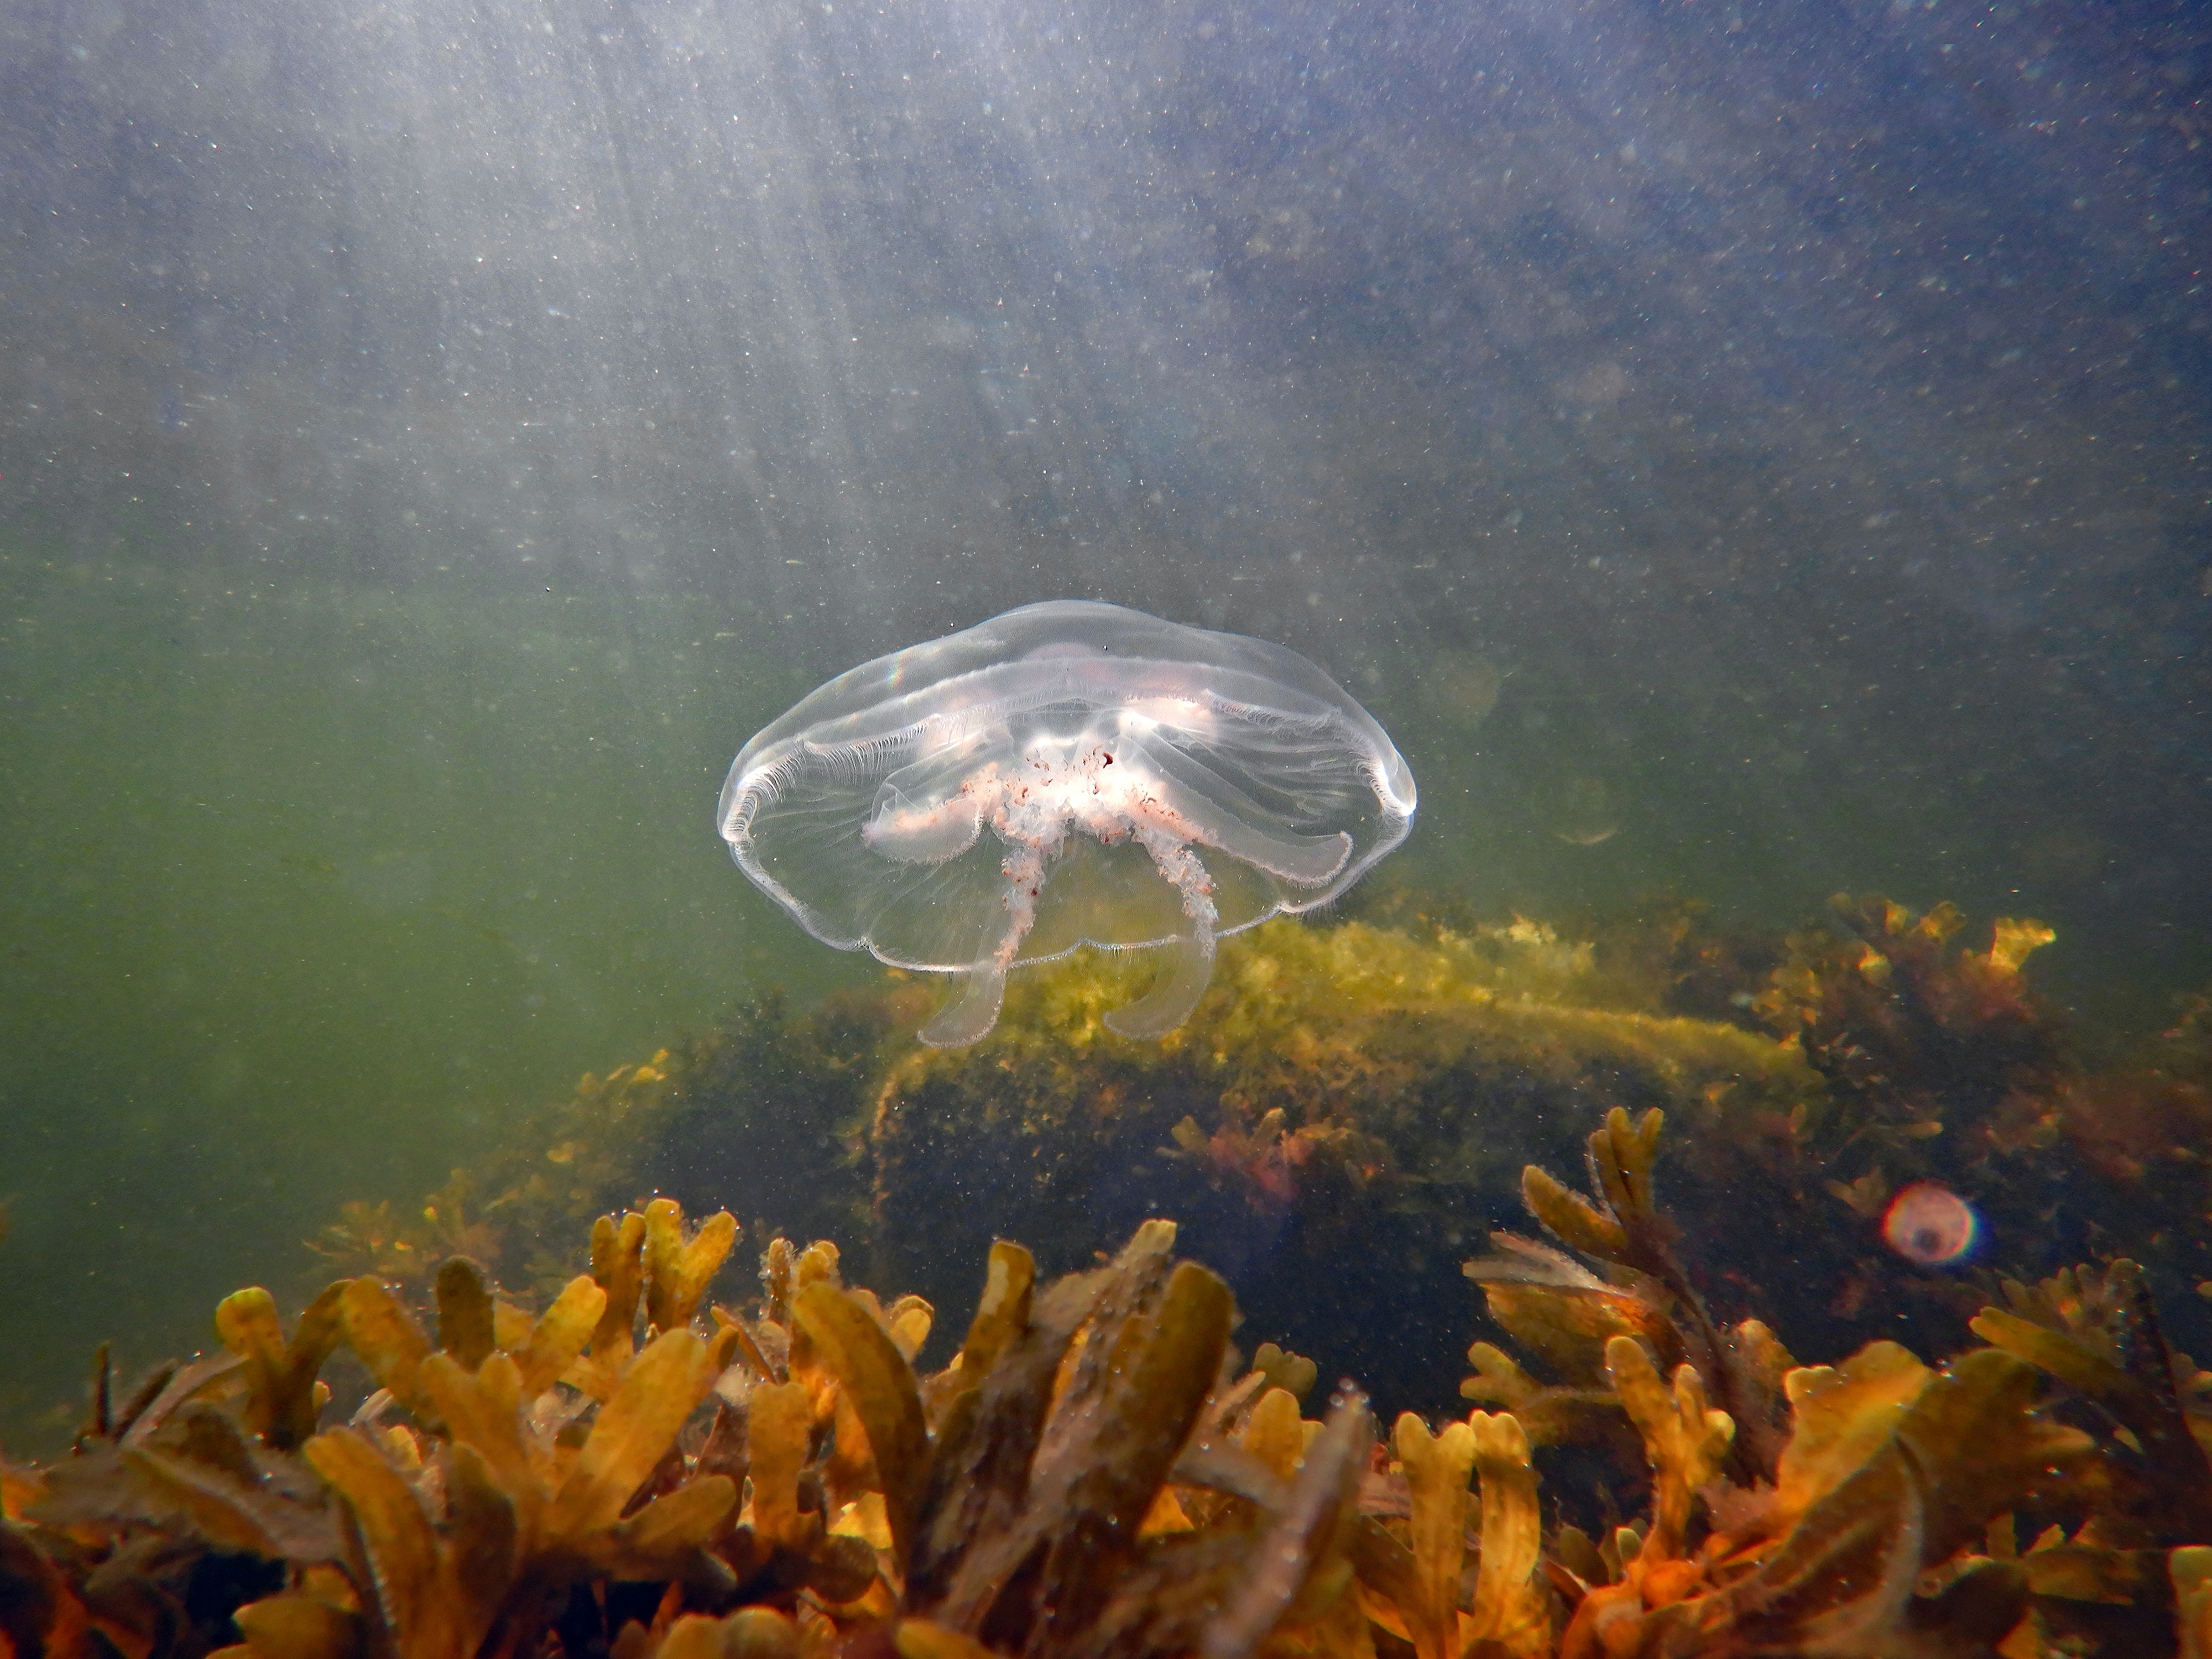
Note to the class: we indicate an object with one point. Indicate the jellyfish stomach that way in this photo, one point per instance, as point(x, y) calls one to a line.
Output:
point(932, 831)
point(926, 835)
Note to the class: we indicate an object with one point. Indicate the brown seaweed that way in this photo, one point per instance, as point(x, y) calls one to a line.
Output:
point(1915, 1031)
point(2098, 1334)
point(632, 1468)
point(1620, 1225)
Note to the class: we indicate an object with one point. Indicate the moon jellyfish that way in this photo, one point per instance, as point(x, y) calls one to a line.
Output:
point(1583, 812)
point(1067, 774)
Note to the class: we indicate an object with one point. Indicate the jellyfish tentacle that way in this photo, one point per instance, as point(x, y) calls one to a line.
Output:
point(1170, 1002)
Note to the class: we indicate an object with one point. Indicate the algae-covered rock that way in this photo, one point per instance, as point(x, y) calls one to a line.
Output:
point(1347, 1111)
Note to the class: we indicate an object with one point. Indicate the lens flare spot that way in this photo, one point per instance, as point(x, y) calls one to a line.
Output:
point(1931, 1225)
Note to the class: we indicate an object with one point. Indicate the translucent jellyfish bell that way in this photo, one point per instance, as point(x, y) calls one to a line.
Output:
point(1068, 774)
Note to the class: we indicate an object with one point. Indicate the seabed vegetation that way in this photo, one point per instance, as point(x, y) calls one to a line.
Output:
point(435, 1461)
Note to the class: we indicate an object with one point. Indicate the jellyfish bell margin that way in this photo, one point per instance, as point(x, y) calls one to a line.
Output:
point(1246, 780)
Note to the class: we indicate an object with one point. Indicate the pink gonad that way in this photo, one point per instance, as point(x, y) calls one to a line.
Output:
point(1067, 774)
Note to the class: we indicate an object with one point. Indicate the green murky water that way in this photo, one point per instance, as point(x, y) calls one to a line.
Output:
point(310, 886)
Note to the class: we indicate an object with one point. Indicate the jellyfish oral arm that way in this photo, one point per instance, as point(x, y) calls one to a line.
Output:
point(1032, 815)
point(1170, 1002)
point(1114, 787)
point(1027, 817)
point(972, 1015)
